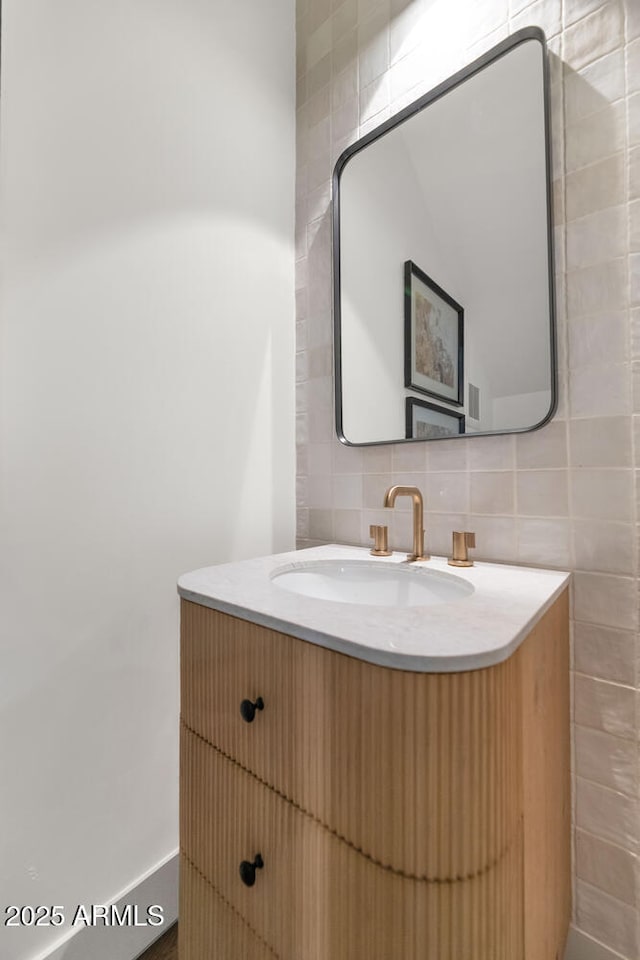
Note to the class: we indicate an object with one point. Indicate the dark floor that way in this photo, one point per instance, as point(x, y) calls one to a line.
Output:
point(166, 948)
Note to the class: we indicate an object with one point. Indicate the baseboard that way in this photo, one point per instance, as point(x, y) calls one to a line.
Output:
point(582, 947)
point(127, 942)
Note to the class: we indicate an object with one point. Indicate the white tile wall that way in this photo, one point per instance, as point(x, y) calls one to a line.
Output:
point(567, 495)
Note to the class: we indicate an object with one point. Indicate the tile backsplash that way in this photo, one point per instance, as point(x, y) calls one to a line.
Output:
point(566, 495)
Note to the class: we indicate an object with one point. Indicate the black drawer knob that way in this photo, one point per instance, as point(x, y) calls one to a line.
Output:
point(248, 709)
point(248, 870)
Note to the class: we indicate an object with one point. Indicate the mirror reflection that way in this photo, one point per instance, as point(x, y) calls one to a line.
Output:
point(443, 289)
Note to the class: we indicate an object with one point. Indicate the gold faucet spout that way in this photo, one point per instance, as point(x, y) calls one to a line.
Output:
point(418, 516)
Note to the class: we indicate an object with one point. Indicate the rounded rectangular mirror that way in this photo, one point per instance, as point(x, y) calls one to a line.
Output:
point(443, 259)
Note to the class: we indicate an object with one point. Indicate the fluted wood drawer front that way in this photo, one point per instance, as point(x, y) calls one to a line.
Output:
point(211, 929)
point(224, 661)
point(420, 771)
point(317, 898)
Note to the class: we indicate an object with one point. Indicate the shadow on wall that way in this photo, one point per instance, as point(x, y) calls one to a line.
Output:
point(198, 145)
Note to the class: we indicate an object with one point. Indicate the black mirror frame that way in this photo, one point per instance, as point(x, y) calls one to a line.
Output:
point(502, 48)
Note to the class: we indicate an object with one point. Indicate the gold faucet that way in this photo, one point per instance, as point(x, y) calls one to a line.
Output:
point(418, 517)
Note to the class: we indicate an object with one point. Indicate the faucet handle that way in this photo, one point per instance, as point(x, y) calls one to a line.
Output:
point(462, 542)
point(380, 536)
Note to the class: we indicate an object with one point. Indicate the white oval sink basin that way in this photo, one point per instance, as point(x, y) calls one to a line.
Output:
point(374, 583)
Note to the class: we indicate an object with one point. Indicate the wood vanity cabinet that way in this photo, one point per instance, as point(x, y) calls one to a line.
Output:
point(397, 814)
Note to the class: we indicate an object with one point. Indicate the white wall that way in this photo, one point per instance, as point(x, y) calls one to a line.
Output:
point(146, 303)
point(379, 231)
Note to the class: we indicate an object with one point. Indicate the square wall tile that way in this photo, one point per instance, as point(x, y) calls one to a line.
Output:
point(318, 106)
point(595, 86)
point(370, 8)
point(602, 494)
point(344, 87)
point(606, 759)
point(601, 442)
point(484, 18)
point(405, 478)
point(605, 654)
point(321, 525)
point(346, 459)
point(634, 173)
point(374, 487)
point(406, 30)
point(633, 66)
point(605, 706)
point(492, 453)
point(607, 866)
point(607, 918)
point(374, 120)
point(634, 278)
point(496, 538)
point(347, 526)
point(447, 455)
point(345, 51)
point(406, 74)
point(347, 492)
point(301, 398)
point(634, 224)
point(607, 600)
point(542, 493)
point(492, 492)
point(318, 44)
point(319, 492)
point(544, 543)
point(546, 447)
point(541, 13)
point(596, 137)
point(345, 120)
point(517, 6)
point(596, 187)
point(604, 547)
point(597, 288)
point(345, 18)
point(594, 35)
point(447, 493)
point(317, 13)
point(607, 814)
point(374, 103)
point(633, 18)
point(577, 9)
point(597, 237)
point(600, 391)
point(476, 48)
point(302, 523)
point(319, 458)
point(409, 457)
point(377, 459)
point(373, 49)
point(634, 118)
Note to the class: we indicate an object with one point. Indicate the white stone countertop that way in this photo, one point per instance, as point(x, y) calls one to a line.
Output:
point(475, 631)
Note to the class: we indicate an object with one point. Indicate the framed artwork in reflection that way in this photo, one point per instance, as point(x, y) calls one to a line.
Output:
point(428, 421)
point(433, 338)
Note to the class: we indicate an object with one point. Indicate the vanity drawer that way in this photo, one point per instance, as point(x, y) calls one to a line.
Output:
point(207, 920)
point(318, 898)
point(419, 771)
point(225, 661)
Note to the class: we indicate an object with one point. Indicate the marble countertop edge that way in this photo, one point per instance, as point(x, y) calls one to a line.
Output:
point(473, 633)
